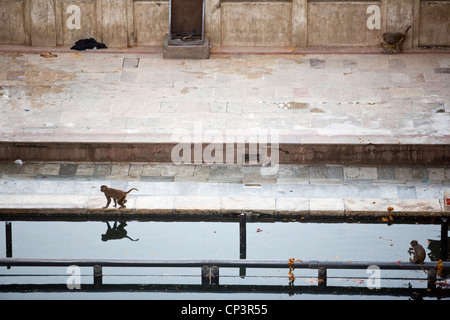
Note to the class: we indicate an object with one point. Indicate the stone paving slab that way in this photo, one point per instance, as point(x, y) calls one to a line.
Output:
point(43, 201)
point(224, 172)
point(346, 98)
point(310, 191)
point(293, 181)
point(152, 205)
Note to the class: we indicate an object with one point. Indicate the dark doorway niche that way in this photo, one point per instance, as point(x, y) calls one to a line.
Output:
point(186, 22)
point(186, 38)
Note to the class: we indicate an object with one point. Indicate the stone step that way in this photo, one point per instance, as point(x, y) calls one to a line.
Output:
point(147, 205)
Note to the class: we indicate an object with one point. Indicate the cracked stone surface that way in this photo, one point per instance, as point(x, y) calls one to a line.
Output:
point(310, 98)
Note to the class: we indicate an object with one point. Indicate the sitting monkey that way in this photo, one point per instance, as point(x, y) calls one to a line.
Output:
point(418, 253)
point(393, 41)
point(115, 194)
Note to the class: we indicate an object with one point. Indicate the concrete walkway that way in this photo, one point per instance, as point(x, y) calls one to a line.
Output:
point(129, 96)
point(200, 190)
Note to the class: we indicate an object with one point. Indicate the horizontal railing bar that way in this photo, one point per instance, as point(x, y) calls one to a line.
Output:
point(241, 263)
point(229, 288)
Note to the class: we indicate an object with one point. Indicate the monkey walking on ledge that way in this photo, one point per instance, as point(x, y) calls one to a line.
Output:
point(115, 194)
point(393, 41)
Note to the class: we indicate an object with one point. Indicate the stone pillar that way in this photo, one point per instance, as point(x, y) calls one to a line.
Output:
point(383, 12)
point(27, 21)
point(130, 23)
point(299, 23)
point(114, 23)
point(99, 20)
point(59, 22)
point(212, 22)
point(43, 23)
point(400, 15)
point(415, 28)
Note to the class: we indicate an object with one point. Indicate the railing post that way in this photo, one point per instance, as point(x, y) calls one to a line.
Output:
point(8, 235)
point(444, 239)
point(242, 241)
point(322, 277)
point(210, 276)
point(98, 275)
point(431, 279)
point(205, 276)
point(243, 234)
point(215, 276)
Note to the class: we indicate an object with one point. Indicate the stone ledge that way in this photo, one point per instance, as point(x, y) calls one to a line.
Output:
point(187, 51)
point(86, 206)
point(290, 153)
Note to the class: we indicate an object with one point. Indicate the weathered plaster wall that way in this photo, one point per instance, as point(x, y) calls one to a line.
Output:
point(340, 23)
point(288, 23)
point(151, 22)
point(349, 154)
point(265, 24)
point(14, 26)
point(400, 15)
point(114, 23)
point(43, 23)
point(434, 26)
point(87, 24)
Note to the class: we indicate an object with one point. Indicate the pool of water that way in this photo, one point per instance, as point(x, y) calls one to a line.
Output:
point(213, 240)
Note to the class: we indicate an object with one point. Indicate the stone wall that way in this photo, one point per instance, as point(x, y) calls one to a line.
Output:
point(305, 154)
point(286, 23)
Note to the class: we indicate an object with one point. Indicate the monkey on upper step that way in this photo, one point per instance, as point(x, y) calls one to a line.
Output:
point(393, 41)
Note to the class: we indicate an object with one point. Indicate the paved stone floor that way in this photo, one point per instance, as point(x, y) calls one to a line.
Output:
point(140, 97)
point(130, 96)
point(329, 189)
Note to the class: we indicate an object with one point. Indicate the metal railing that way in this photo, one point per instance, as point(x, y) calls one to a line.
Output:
point(210, 268)
point(232, 263)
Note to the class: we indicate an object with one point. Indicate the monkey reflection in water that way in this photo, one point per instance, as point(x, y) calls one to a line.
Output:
point(116, 232)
